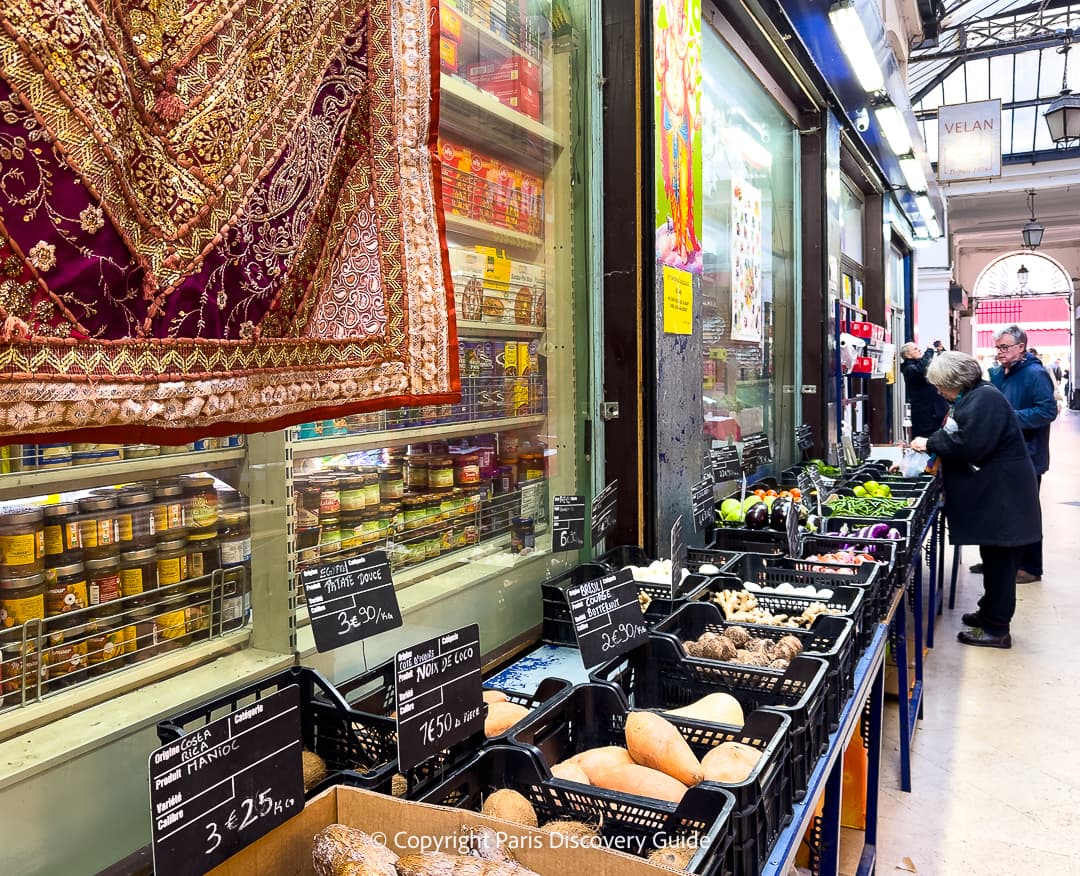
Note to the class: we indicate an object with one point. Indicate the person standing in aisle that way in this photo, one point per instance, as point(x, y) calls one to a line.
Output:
point(990, 491)
point(1023, 379)
point(928, 408)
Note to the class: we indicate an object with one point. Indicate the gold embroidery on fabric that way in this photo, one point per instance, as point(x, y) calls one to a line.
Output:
point(92, 219)
point(43, 256)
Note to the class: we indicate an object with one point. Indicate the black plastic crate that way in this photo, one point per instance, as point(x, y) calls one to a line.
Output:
point(698, 557)
point(831, 638)
point(558, 627)
point(661, 672)
point(344, 738)
point(372, 695)
point(708, 822)
point(908, 530)
point(878, 585)
point(594, 715)
point(740, 538)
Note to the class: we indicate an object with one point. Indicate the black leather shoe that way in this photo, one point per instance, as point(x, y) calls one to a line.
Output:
point(972, 619)
point(976, 569)
point(982, 639)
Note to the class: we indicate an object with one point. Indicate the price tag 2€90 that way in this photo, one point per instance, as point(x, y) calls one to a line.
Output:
point(438, 691)
point(607, 617)
point(220, 787)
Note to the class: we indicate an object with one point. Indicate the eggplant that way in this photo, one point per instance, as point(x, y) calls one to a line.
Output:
point(878, 530)
point(894, 534)
point(778, 516)
point(758, 516)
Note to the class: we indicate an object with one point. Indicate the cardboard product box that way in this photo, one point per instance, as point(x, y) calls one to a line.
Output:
point(448, 54)
point(485, 174)
point(449, 22)
point(457, 183)
point(411, 828)
point(513, 69)
point(515, 95)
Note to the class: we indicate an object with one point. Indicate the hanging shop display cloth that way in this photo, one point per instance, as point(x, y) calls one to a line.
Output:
point(219, 216)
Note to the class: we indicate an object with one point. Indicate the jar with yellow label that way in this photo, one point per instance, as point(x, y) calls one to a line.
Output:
point(204, 553)
point(66, 589)
point(103, 574)
point(530, 467)
point(201, 499)
point(135, 518)
point(391, 511)
point(22, 542)
point(62, 535)
point(414, 512)
point(98, 525)
point(385, 517)
point(138, 571)
point(172, 563)
point(141, 643)
point(22, 599)
point(170, 514)
point(391, 482)
point(20, 669)
point(171, 625)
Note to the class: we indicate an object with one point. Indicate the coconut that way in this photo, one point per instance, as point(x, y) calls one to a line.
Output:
point(509, 805)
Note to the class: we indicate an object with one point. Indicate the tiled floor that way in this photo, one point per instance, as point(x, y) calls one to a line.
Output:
point(996, 761)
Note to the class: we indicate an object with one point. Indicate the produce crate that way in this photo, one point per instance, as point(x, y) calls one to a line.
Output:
point(660, 672)
point(740, 538)
point(771, 571)
point(907, 528)
point(558, 627)
point(594, 715)
point(344, 738)
point(879, 586)
point(704, 818)
point(697, 557)
point(831, 638)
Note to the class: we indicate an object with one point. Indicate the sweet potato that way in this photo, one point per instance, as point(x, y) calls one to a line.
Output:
point(655, 742)
point(494, 696)
point(501, 717)
point(642, 781)
point(730, 762)
point(571, 772)
point(594, 760)
point(716, 708)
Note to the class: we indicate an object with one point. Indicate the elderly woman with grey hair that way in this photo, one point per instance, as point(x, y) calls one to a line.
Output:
point(991, 498)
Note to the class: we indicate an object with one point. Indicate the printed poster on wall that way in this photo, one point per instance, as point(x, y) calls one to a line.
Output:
point(678, 301)
point(746, 310)
point(677, 132)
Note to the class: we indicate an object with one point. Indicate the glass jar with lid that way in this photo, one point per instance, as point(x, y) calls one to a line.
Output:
point(414, 512)
point(63, 538)
point(369, 525)
point(329, 493)
point(530, 467)
point(172, 565)
point(440, 472)
point(329, 536)
point(20, 667)
point(235, 539)
point(352, 492)
point(307, 495)
point(466, 469)
point(66, 589)
point(22, 542)
point(66, 654)
point(138, 571)
point(370, 474)
point(106, 643)
point(201, 500)
point(103, 576)
point(416, 471)
point(170, 514)
point(391, 482)
point(22, 599)
point(352, 536)
point(99, 525)
point(135, 517)
point(204, 553)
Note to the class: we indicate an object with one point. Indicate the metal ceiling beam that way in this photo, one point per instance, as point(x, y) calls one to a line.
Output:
point(991, 50)
point(926, 114)
point(936, 80)
point(1020, 11)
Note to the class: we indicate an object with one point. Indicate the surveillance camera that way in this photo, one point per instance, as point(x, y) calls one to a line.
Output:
point(862, 120)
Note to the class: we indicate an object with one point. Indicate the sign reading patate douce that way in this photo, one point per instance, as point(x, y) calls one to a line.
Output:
point(969, 140)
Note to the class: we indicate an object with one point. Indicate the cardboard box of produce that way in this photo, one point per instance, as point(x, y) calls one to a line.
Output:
point(411, 828)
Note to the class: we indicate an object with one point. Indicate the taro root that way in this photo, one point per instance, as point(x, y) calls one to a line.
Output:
point(738, 635)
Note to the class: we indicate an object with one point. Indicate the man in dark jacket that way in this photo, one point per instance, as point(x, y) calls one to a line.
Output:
point(928, 408)
point(1025, 382)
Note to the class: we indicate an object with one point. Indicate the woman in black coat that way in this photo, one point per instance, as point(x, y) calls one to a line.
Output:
point(991, 496)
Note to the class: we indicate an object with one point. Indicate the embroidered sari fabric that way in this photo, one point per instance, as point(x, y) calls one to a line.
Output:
point(218, 215)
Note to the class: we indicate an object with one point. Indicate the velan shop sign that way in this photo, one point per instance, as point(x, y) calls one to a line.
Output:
point(969, 140)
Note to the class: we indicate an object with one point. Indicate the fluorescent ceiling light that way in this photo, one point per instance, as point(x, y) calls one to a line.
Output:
point(856, 45)
point(932, 225)
point(924, 205)
point(749, 147)
point(894, 127)
point(912, 170)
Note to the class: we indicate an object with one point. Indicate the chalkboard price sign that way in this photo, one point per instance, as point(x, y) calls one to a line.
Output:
point(607, 617)
point(678, 555)
point(350, 600)
point(437, 686)
point(604, 507)
point(221, 787)
point(804, 437)
point(725, 463)
point(567, 523)
point(791, 524)
point(701, 500)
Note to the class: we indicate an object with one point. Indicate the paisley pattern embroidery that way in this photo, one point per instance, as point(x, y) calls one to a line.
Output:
point(211, 201)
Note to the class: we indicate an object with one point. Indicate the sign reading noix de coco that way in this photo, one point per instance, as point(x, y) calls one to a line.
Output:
point(969, 140)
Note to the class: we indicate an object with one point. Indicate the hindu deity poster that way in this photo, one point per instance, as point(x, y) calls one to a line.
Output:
point(746, 311)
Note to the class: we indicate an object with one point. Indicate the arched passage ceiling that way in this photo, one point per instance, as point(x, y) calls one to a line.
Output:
point(999, 279)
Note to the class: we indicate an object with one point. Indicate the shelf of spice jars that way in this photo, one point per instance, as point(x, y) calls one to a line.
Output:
point(48, 480)
point(306, 448)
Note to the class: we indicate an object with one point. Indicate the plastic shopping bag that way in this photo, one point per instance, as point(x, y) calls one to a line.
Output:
point(913, 463)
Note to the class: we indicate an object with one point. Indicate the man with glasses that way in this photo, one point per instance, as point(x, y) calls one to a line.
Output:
point(1028, 386)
